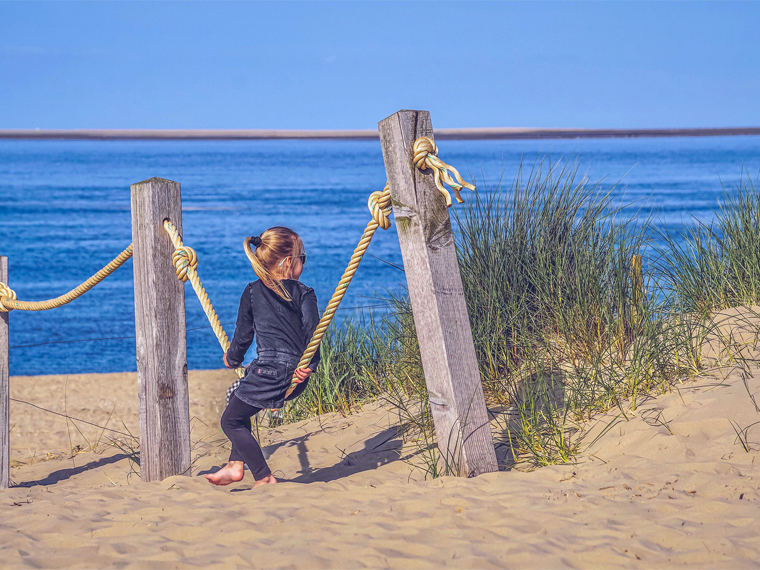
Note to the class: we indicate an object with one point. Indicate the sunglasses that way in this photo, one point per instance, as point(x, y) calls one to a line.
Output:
point(302, 257)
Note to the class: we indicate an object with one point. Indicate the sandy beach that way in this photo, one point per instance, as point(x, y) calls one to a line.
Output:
point(671, 485)
point(533, 237)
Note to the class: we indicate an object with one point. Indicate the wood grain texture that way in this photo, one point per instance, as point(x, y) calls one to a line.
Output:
point(437, 297)
point(5, 389)
point(160, 330)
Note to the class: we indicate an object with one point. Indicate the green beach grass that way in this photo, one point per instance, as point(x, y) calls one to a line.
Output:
point(565, 323)
point(717, 265)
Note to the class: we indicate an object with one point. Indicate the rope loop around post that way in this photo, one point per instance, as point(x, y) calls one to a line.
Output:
point(184, 259)
point(380, 207)
point(423, 147)
point(8, 293)
point(425, 155)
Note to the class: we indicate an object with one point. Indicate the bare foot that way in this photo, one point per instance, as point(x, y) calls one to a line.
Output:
point(230, 473)
point(268, 480)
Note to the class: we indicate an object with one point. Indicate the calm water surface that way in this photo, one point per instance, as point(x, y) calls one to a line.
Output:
point(65, 212)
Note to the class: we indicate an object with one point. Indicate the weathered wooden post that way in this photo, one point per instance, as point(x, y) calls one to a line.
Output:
point(160, 328)
point(437, 298)
point(5, 389)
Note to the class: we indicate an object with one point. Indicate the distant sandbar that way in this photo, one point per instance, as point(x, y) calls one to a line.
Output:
point(501, 133)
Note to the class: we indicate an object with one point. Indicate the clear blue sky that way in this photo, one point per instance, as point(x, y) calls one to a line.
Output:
point(347, 65)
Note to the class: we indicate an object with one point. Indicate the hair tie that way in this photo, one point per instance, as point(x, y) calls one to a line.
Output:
point(256, 241)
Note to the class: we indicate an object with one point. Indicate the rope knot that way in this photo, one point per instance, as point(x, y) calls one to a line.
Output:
point(380, 206)
point(184, 259)
point(425, 155)
point(422, 148)
point(9, 293)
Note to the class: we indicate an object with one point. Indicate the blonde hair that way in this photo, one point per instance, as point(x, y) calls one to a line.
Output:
point(275, 245)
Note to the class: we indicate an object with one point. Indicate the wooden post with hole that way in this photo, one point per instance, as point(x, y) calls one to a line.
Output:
point(437, 297)
point(160, 330)
point(5, 389)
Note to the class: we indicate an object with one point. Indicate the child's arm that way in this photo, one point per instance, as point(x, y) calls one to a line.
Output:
point(243, 337)
point(310, 320)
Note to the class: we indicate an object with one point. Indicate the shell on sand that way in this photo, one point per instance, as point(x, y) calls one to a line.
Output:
point(671, 485)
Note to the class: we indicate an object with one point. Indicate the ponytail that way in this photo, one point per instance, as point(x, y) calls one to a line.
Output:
point(272, 248)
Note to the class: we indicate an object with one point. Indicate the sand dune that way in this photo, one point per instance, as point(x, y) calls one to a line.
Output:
point(671, 485)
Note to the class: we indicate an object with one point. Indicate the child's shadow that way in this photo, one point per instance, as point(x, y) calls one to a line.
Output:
point(380, 449)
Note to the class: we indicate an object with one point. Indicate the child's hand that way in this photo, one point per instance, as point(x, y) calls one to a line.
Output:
point(226, 364)
point(302, 374)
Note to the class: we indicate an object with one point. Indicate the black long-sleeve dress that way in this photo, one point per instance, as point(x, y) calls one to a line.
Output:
point(282, 330)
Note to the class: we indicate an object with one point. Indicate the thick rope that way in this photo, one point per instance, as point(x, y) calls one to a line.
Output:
point(426, 156)
point(8, 301)
point(380, 206)
point(186, 264)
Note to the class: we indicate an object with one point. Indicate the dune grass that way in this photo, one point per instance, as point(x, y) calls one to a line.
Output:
point(716, 265)
point(573, 312)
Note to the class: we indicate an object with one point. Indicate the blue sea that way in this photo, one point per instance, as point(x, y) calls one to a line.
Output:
point(65, 212)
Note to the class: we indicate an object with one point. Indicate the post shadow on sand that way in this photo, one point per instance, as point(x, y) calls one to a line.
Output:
point(63, 474)
point(380, 449)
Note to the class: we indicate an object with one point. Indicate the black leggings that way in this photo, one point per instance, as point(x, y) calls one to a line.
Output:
point(236, 424)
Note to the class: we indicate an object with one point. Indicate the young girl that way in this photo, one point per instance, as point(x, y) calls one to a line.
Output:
point(282, 313)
